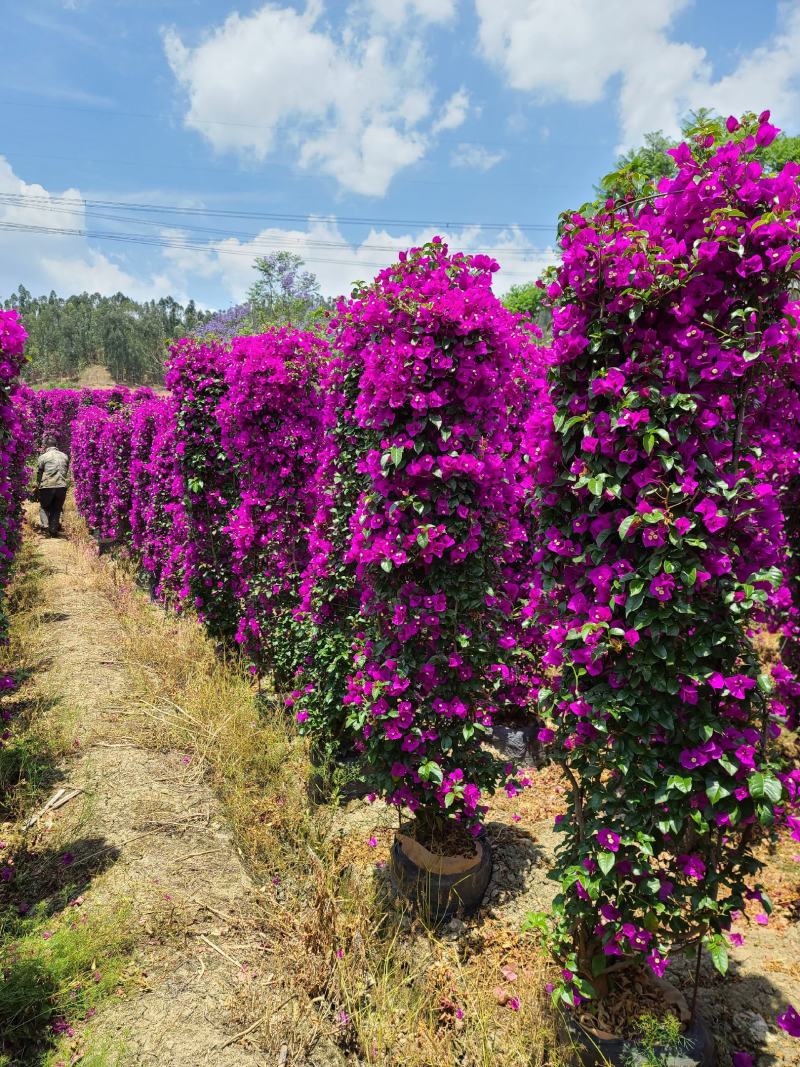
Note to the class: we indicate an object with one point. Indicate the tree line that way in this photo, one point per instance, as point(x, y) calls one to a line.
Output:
point(128, 337)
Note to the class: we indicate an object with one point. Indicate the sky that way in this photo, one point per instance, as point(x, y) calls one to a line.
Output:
point(156, 147)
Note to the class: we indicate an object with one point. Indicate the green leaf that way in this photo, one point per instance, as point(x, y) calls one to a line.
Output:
point(679, 782)
point(605, 861)
point(716, 792)
point(765, 785)
point(719, 955)
point(625, 525)
point(535, 920)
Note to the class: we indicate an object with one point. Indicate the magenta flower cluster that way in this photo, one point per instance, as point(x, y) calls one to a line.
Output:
point(53, 411)
point(664, 542)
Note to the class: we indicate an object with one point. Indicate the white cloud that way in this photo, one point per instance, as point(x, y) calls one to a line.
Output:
point(353, 106)
point(660, 78)
point(338, 263)
point(454, 112)
point(475, 157)
point(43, 260)
point(215, 272)
point(397, 12)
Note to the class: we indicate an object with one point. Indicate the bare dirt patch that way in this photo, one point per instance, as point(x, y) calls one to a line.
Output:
point(154, 814)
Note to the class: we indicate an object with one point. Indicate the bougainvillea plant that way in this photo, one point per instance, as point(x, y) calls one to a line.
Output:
point(269, 417)
point(662, 538)
point(429, 377)
point(15, 445)
point(196, 377)
point(87, 468)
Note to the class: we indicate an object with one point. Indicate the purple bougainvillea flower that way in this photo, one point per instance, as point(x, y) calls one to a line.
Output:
point(662, 587)
point(608, 840)
point(789, 1021)
point(692, 866)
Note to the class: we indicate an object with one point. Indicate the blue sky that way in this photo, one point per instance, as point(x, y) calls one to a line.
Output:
point(175, 141)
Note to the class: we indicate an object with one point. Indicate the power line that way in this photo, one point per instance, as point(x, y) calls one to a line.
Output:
point(88, 204)
point(202, 247)
point(221, 233)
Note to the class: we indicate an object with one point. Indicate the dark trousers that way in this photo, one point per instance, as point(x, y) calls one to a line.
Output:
point(51, 504)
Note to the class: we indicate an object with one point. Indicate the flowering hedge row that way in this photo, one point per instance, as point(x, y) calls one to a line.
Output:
point(53, 411)
point(665, 541)
point(196, 378)
point(269, 419)
point(15, 444)
point(426, 525)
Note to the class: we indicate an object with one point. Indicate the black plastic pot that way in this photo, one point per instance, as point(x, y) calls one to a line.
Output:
point(437, 897)
point(104, 544)
point(589, 1050)
point(517, 744)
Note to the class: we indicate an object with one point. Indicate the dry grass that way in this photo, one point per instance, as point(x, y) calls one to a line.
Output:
point(357, 981)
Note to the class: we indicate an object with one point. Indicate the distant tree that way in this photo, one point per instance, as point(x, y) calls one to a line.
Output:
point(528, 299)
point(284, 292)
point(637, 169)
point(128, 337)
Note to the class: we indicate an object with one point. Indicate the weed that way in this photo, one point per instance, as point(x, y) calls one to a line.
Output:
point(56, 971)
point(658, 1039)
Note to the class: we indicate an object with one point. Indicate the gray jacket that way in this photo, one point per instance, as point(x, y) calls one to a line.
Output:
point(53, 470)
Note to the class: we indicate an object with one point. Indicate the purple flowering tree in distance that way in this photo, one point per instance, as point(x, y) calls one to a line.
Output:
point(663, 539)
point(430, 382)
point(225, 325)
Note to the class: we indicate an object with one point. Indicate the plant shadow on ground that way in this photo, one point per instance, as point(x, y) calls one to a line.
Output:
point(517, 849)
point(57, 960)
point(45, 882)
point(738, 1009)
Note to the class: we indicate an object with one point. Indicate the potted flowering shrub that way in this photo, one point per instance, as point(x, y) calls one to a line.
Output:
point(196, 376)
point(428, 381)
point(662, 540)
point(269, 418)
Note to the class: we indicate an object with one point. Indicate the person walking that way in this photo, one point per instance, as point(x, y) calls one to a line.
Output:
point(52, 479)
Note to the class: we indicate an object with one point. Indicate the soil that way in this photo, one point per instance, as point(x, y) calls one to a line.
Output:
point(630, 996)
point(442, 838)
point(169, 852)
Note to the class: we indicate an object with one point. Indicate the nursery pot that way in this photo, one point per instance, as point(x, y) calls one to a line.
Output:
point(439, 886)
point(517, 744)
point(596, 1048)
point(104, 544)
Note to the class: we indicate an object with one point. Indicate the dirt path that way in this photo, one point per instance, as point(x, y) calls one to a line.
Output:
point(158, 825)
